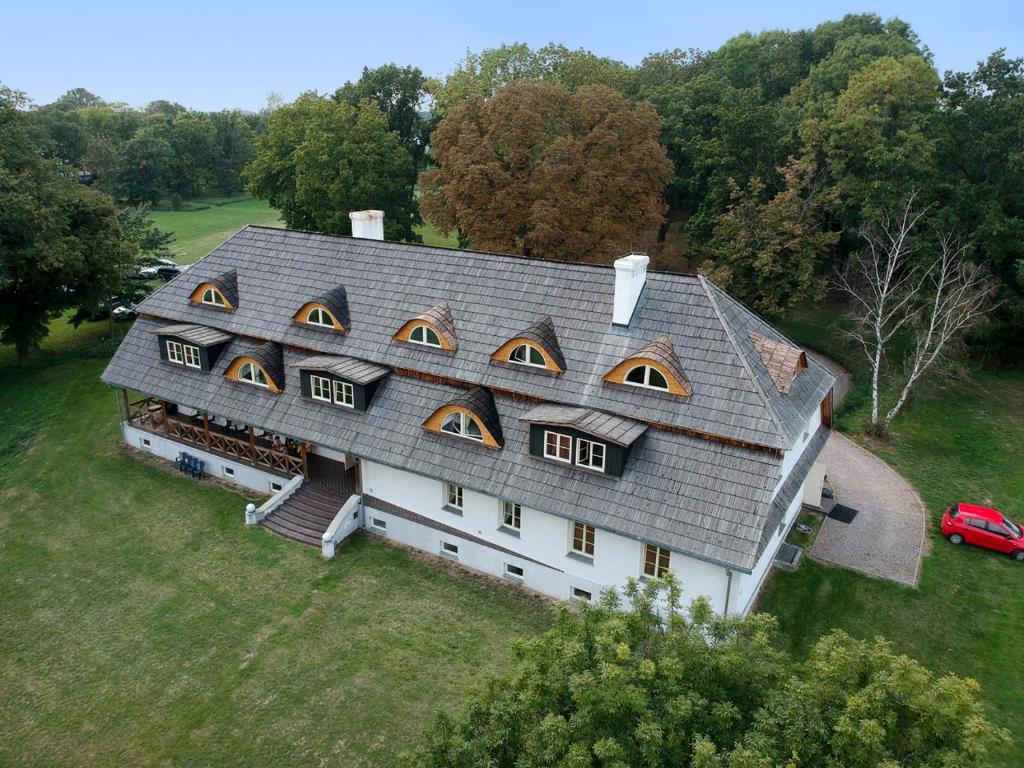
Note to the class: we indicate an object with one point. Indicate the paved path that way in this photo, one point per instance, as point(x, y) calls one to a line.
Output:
point(886, 539)
point(844, 379)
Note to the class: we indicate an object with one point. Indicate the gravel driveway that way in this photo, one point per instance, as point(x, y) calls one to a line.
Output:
point(886, 538)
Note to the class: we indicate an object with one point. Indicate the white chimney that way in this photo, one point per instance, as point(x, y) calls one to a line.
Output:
point(630, 276)
point(367, 224)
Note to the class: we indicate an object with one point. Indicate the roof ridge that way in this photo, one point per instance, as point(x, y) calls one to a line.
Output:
point(769, 405)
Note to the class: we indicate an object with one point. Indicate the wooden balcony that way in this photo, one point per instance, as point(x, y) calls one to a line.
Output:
point(240, 443)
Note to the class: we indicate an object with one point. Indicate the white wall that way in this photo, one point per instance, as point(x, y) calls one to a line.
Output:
point(246, 475)
point(792, 456)
point(543, 537)
point(749, 584)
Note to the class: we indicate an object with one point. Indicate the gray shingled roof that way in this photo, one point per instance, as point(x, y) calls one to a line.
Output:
point(705, 498)
point(356, 371)
point(336, 300)
point(492, 297)
point(614, 429)
point(543, 334)
point(200, 335)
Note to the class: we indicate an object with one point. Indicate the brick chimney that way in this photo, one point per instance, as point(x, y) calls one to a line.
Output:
point(630, 276)
point(367, 224)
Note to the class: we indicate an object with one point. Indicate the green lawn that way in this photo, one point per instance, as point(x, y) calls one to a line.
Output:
point(143, 624)
point(965, 441)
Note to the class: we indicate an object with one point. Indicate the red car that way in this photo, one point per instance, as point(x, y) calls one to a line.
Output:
point(983, 527)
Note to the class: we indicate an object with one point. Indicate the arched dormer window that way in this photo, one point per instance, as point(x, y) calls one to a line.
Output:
point(462, 424)
point(425, 335)
point(655, 367)
point(527, 354)
point(320, 316)
point(328, 311)
point(646, 376)
point(212, 296)
point(253, 374)
point(471, 416)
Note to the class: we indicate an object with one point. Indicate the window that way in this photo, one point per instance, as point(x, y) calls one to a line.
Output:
point(275, 487)
point(1014, 528)
point(557, 446)
point(581, 595)
point(998, 530)
point(583, 539)
point(320, 388)
point(344, 394)
point(463, 425)
point(319, 316)
point(450, 549)
point(191, 356)
point(590, 454)
point(656, 560)
point(378, 523)
point(253, 374)
point(646, 376)
point(527, 354)
point(229, 472)
point(513, 571)
point(214, 297)
point(975, 522)
point(174, 352)
point(511, 515)
point(453, 495)
point(145, 443)
point(425, 335)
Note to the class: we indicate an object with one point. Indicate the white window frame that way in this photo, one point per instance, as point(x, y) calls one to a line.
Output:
point(458, 492)
point(343, 389)
point(424, 328)
point(558, 446)
point(216, 297)
point(325, 319)
point(529, 348)
point(658, 551)
point(462, 419)
point(646, 384)
point(228, 471)
point(449, 550)
point(511, 574)
point(175, 354)
point(323, 381)
point(515, 511)
point(580, 443)
point(191, 354)
point(254, 381)
point(582, 552)
point(580, 595)
point(378, 523)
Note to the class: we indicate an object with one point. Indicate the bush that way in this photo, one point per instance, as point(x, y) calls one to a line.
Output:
point(176, 202)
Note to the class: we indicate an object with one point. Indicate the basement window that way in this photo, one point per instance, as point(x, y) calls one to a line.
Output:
point(145, 442)
point(514, 572)
point(378, 523)
point(229, 472)
point(581, 596)
point(449, 549)
point(275, 487)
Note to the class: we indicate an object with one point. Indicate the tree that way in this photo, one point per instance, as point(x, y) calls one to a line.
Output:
point(540, 170)
point(768, 253)
point(76, 98)
point(321, 159)
point(939, 297)
point(658, 689)
point(61, 246)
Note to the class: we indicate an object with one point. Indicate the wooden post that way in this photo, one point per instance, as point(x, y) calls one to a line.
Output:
point(163, 414)
point(127, 411)
point(206, 429)
point(303, 448)
point(252, 447)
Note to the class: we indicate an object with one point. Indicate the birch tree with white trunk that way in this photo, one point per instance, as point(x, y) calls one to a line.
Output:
point(892, 289)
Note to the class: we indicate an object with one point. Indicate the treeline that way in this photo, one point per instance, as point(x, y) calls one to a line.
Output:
point(145, 155)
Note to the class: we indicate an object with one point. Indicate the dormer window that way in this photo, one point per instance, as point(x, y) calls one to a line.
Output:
point(582, 437)
point(646, 376)
point(343, 381)
point(253, 374)
point(214, 297)
point(329, 311)
point(183, 354)
point(425, 335)
point(526, 354)
point(655, 366)
point(471, 416)
point(590, 454)
point(319, 316)
point(190, 345)
point(462, 424)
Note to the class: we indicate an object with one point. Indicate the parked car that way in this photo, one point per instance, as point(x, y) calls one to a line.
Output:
point(125, 311)
point(159, 268)
point(170, 271)
point(983, 527)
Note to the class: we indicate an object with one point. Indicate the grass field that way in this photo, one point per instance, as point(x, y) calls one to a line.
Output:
point(143, 624)
point(965, 441)
point(206, 223)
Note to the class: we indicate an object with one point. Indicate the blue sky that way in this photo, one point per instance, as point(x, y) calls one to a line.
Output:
point(212, 55)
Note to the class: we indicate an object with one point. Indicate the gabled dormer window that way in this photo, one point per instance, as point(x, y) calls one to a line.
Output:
point(425, 335)
point(190, 345)
point(582, 437)
point(462, 424)
point(471, 416)
point(214, 297)
point(646, 376)
point(253, 374)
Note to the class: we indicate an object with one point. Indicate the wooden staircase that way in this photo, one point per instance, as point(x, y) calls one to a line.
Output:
point(307, 513)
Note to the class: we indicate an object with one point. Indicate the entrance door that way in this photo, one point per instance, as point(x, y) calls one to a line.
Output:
point(330, 475)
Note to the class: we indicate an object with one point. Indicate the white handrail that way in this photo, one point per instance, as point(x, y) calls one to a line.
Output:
point(346, 521)
point(253, 515)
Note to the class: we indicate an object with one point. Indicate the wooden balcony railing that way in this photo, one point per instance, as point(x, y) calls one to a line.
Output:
point(152, 414)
